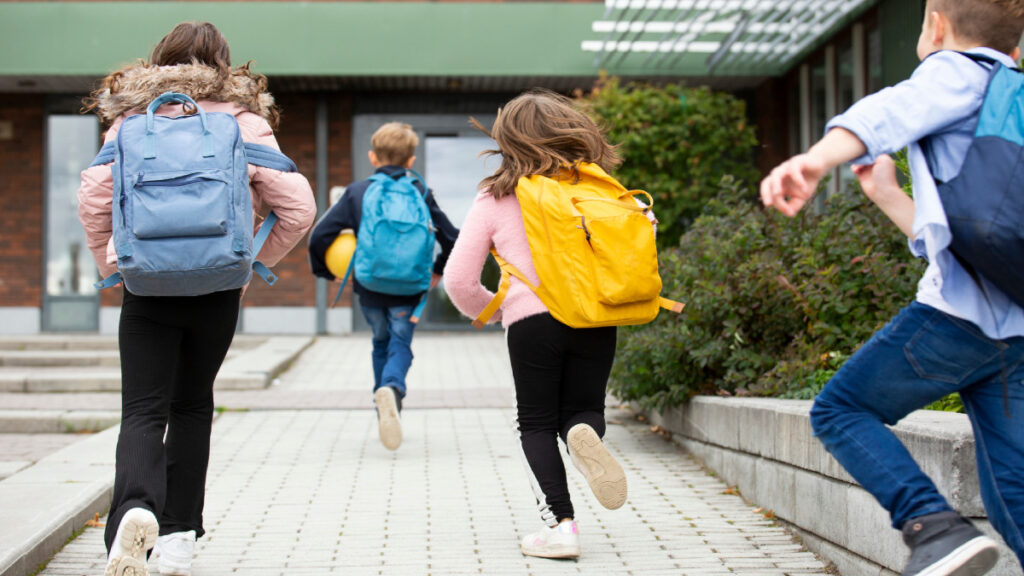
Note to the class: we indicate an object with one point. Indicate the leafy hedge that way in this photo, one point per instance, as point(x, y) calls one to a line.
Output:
point(677, 143)
point(774, 305)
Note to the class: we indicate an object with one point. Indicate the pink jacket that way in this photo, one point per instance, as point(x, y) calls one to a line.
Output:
point(497, 223)
point(287, 194)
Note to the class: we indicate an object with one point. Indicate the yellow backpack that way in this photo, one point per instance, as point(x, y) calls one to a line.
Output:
point(593, 248)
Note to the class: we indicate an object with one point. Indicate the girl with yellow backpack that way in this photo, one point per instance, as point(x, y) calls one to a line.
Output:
point(577, 255)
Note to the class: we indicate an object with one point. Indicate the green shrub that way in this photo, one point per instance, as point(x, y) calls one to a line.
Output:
point(677, 144)
point(774, 305)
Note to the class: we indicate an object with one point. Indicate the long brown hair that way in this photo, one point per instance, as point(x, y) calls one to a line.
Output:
point(192, 43)
point(541, 132)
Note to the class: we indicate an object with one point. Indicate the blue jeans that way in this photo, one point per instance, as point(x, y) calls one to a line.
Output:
point(919, 357)
point(392, 345)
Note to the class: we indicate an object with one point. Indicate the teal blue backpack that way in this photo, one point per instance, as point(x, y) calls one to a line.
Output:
point(395, 244)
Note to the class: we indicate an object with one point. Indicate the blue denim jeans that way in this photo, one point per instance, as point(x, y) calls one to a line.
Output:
point(392, 345)
point(919, 357)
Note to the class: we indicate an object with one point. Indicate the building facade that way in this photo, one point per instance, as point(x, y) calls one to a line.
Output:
point(338, 70)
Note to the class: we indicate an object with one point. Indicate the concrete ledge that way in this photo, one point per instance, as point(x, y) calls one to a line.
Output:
point(66, 489)
point(56, 421)
point(766, 448)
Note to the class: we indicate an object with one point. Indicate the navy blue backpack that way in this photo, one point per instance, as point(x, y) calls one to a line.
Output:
point(984, 203)
point(182, 211)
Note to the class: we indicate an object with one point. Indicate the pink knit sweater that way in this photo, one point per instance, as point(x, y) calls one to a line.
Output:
point(496, 223)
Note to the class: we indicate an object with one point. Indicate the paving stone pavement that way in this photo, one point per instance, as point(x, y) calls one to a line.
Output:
point(307, 492)
point(19, 451)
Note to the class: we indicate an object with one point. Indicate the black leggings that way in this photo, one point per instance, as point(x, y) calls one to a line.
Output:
point(171, 350)
point(560, 375)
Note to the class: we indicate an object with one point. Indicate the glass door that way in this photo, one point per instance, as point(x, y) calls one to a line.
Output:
point(454, 168)
point(70, 303)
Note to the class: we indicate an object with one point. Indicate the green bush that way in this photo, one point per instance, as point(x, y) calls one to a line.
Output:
point(774, 305)
point(677, 144)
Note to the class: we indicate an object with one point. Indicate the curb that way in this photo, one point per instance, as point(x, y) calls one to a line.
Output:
point(65, 489)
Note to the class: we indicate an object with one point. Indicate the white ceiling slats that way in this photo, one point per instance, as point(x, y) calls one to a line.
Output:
point(735, 34)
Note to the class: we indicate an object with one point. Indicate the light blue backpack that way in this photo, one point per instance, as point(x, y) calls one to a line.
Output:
point(182, 211)
point(395, 244)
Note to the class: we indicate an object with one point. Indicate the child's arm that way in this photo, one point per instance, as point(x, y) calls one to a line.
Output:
point(462, 272)
point(341, 216)
point(446, 235)
point(879, 183)
point(946, 88)
point(792, 183)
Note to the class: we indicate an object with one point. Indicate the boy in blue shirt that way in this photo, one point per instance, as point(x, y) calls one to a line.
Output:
point(962, 334)
point(389, 316)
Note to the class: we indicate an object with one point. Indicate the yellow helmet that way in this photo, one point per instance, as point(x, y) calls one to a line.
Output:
point(340, 252)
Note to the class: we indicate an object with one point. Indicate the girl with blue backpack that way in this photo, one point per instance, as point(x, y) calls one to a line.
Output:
point(172, 341)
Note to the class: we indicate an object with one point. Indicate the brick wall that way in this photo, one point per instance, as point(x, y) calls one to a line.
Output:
point(21, 201)
point(297, 137)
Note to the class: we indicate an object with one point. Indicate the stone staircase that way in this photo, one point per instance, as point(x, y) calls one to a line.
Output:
point(90, 363)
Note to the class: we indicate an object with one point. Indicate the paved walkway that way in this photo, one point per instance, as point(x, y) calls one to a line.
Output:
point(311, 491)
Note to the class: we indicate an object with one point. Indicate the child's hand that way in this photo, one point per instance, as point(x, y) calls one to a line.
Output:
point(435, 279)
point(878, 180)
point(879, 183)
point(793, 183)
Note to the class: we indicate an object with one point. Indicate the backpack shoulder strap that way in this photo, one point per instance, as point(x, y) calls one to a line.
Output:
point(105, 155)
point(267, 157)
point(507, 272)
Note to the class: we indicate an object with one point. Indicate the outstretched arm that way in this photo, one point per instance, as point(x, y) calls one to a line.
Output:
point(793, 183)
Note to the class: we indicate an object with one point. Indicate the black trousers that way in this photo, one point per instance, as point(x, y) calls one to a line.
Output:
point(171, 349)
point(560, 375)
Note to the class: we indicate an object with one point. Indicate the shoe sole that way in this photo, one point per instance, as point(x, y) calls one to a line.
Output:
point(137, 536)
point(388, 425)
point(557, 553)
point(973, 558)
point(604, 473)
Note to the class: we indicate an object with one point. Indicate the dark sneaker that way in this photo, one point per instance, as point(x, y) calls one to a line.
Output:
point(946, 544)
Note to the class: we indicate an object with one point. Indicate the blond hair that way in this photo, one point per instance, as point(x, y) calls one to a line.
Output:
point(394, 143)
point(541, 132)
point(996, 24)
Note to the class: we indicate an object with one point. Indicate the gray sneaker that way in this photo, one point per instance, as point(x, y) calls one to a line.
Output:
point(947, 544)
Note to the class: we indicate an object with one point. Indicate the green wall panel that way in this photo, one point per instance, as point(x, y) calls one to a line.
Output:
point(301, 38)
point(900, 22)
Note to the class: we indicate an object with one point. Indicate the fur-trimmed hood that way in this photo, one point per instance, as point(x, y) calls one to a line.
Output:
point(138, 85)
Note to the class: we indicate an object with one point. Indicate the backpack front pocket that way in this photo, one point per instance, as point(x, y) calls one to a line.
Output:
point(625, 258)
point(180, 204)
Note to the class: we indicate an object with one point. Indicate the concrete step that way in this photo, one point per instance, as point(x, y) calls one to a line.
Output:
point(52, 358)
point(251, 366)
point(93, 342)
point(57, 421)
point(58, 342)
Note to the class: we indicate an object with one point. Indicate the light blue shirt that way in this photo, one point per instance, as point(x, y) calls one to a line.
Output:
point(941, 100)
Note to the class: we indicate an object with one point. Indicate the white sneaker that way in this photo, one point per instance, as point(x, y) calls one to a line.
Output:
point(388, 424)
point(173, 553)
point(563, 541)
point(599, 467)
point(136, 534)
